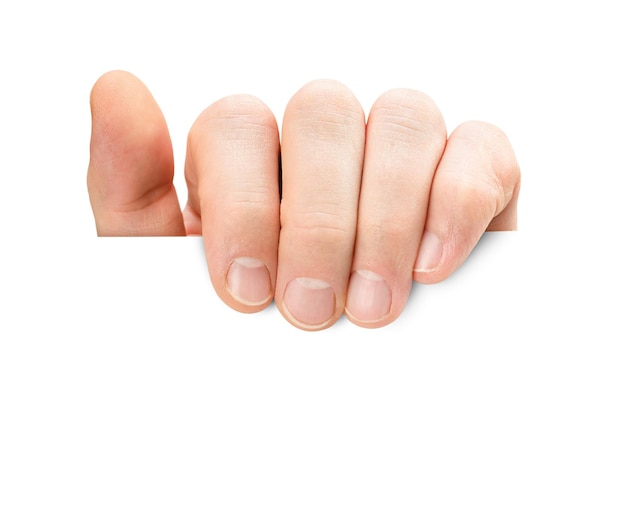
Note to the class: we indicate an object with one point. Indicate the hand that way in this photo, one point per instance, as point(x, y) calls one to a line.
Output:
point(366, 208)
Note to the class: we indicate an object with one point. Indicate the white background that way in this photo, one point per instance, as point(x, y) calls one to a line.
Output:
point(124, 382)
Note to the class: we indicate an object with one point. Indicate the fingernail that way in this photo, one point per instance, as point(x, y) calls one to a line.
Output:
point(248, 281)
point(429, 254)
point(369, 296)
point(310, 302)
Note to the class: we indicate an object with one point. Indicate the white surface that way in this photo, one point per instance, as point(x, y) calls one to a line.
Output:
point(499, 387)
point(503, 387)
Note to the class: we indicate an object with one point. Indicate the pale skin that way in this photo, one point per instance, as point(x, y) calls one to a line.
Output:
point(368, 205)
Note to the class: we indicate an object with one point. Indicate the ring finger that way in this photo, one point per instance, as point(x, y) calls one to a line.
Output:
point(406, 136)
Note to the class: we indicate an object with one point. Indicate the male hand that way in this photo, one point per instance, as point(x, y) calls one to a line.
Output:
point(366, 207)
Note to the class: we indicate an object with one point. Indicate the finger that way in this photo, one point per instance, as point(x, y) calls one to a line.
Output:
point(232, 175)
point(322, 158)
point(406, 135)
point(475, 188)
point(131, 165)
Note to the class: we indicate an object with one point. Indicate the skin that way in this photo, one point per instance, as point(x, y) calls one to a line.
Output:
point(368, 205)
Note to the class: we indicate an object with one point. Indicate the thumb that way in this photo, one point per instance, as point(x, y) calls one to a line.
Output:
point(131, 166)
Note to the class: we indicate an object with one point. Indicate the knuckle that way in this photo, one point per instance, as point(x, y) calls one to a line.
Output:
point(242, 121)
point(325, 110)
point(319, 228)
point(478, 197)
point(236, 108)
point(255, 195)
point(390, 232)
point(490, 137)
point(408, 116)
point(502, 172)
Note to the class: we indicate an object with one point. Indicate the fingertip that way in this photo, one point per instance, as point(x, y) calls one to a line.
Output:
point(430, 265)
point(429, 253)
point(369, 300)
point(309, 304)
point(249, 284)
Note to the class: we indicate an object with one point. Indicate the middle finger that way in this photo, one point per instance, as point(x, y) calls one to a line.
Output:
point(322, 159)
